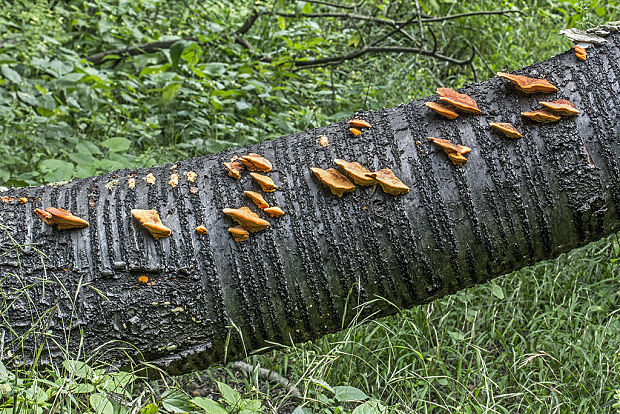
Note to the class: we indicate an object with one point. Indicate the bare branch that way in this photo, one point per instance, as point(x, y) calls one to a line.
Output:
point(338, 6)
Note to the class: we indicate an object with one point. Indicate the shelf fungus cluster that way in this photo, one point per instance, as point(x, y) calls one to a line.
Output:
point(250, 222)
point(339, 184)
point(553, 111)
point(506, 128)
point(529, 85)
point(451, 101)
point(580, 53)
point(60, 217)
point(150, 220)
point(456, 152)
point(356, 125)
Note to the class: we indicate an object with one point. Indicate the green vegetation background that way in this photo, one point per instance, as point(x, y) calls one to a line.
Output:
point(545, 339)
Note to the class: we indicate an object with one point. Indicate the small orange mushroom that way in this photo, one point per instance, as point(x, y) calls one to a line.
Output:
point(174, 180)
point(561, 106)
point(239, 233)
point(143, 279)
point(337, 183)
point(389, 182)
point(151, 221)
point(356, 171)
point(247, 219)
point(274, 211)
point(63, 219)
point(359, 123)
point(355, 131)
point(234, 169)
point(442, 110)
point(191, 176)
point(255, 162)
point(581, 53)
point(23, 200)
point(266, 183)
point(529, 85)
point(201, 230)
point(323, 141)
point(257, 198)
point(457, 158)
point(506, 128)
point(463, 102)
point(149, 179)
point(448, 146)
point(542, 115)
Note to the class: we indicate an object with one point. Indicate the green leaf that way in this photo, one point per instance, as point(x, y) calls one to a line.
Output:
point(176, 50)
point(150, 409)
point(169, 92)
point(176, 401)
point(27, 98)
point(117, 144)
point(497, 291)
point(10, 74)
point(370, 407)
point(101, 404)
point(154, 70)
point(242, 105)
point(281, 22)
point(230, 395)
point(58, 170)
point(322, 384)
point(210, 406)
point(347, 393)
point(301, 410)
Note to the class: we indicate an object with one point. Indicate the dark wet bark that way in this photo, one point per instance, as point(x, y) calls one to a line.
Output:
point(514, 203)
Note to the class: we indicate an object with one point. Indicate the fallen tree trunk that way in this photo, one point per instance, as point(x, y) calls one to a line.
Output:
point(514, 203)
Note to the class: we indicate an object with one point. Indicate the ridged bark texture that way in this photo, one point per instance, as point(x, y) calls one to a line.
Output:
point(514, 203)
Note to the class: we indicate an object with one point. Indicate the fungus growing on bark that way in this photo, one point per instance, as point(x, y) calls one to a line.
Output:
point(149, 179)
point(23, 200)
point(257, 199)
point(506, 128)
point(239, 233)
point(448, 146)
point(255, 162)
point(580, 53)
point(151, 221)
point(62, 218)
point(234, 169)
point(191, 176)
point(359, 123)
point(542, 115)
point(337, 183)
point(193, 190)
point(389, 182)
point(274, 211)
point(457, 158)
point(266, 183)
point(561, 106)
point(247, 219)
point(463, 102)
point(174, 180)
point(356, 171)
point(131, 183)
point(355, 131)
point(143, 279)
point(442, 110)
point(201, 230)
point(323, 141)
point(529, 85)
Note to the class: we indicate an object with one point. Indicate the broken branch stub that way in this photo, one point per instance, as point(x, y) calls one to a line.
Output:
point(337, 183)
point(150, 220)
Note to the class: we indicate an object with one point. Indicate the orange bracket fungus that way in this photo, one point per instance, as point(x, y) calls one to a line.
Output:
point(266, 183)
point(337, 183)
point(355, 131)
point(255, 162)
point(455, 151)
point(506, 128)
point(247, 219)
point(151, 221)
point(389, 182)
point(356, 171)
point(442, 110)
point(257, 199)
point(131, 183)
point(463, 102)
point(561, 106)
point(529, 85)
point(191, 176)
point(23, 200)
point(234, 169)
point(359, 123)
point(580, 53)
point(239, 233)
point(143, 279)
point(323, 141)
point(61, 217)
point(274, 211)
point(542, 115)
point(149, 179)
point(201, 230)
point(174, 180)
